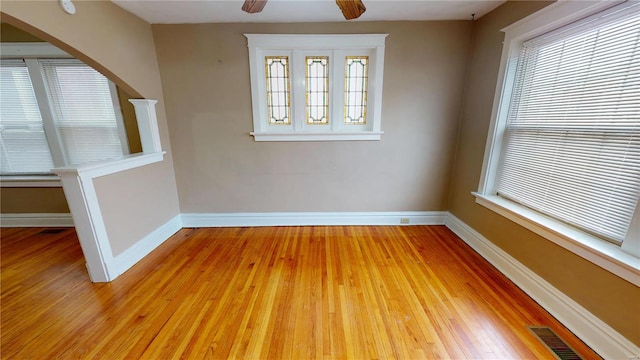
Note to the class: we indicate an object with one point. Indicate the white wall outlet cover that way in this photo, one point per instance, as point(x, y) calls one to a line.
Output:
point(68, 6)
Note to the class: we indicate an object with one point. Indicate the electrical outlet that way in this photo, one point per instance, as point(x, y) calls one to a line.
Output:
point(404, 220)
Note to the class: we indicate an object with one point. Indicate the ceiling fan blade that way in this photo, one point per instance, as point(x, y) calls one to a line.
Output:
point(351, 9)
point(253, 6)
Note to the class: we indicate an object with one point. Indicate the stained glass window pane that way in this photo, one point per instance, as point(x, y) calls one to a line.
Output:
point(355, 89)
point(278, 104)
point(317, 89)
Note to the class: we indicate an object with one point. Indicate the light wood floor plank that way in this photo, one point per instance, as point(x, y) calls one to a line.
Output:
point(390, 292)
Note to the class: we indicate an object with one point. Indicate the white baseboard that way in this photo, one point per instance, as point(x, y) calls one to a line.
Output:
point(146, 245)
point(36, 220)
point(602, 338)
point(314, 218)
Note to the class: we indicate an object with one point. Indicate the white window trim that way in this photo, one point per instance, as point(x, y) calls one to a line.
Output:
point(30, 181)
point(32, 50)
point(259, 43)
point(604, 254)
point(622, 261)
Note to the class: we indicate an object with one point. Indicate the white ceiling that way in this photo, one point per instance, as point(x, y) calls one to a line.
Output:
point(216, 11)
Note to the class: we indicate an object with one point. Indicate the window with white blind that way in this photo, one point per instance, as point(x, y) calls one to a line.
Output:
point(316, 87)
point(572, 141)
point(23, 143)
point(56, 112)
point(566, 137)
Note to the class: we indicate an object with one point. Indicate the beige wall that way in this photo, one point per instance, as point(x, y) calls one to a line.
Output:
point(219, 168)
point(610, 298)
point(32, 200)
point(121, 46)
point(131, 199)
point(130, 121)
point(9, 33)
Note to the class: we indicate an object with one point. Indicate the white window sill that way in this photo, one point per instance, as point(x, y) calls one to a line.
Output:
point(317, 136)
point(30, 181)
point(602, 253)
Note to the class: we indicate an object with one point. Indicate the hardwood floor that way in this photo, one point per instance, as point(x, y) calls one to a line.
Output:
point(414, 292)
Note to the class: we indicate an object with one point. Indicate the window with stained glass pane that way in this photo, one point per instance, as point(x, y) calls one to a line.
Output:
point(317, 89)
point(355, 89)
point(278, 104)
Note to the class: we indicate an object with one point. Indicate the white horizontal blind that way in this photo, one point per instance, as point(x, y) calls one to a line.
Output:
point(82, 110)
point(23, 145)
point(572, 141)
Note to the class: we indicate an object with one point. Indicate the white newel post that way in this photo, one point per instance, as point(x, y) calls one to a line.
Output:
point(147, 124)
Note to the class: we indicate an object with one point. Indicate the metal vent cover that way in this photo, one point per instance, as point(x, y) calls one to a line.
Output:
point(51, 231)
point(553, 342)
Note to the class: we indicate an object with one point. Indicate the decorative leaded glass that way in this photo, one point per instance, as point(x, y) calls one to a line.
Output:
point(277, 73)
point(355, 89)
point(317, 89)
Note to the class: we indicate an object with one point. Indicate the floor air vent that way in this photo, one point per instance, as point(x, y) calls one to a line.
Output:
point(51, 231)
point(554, 343)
